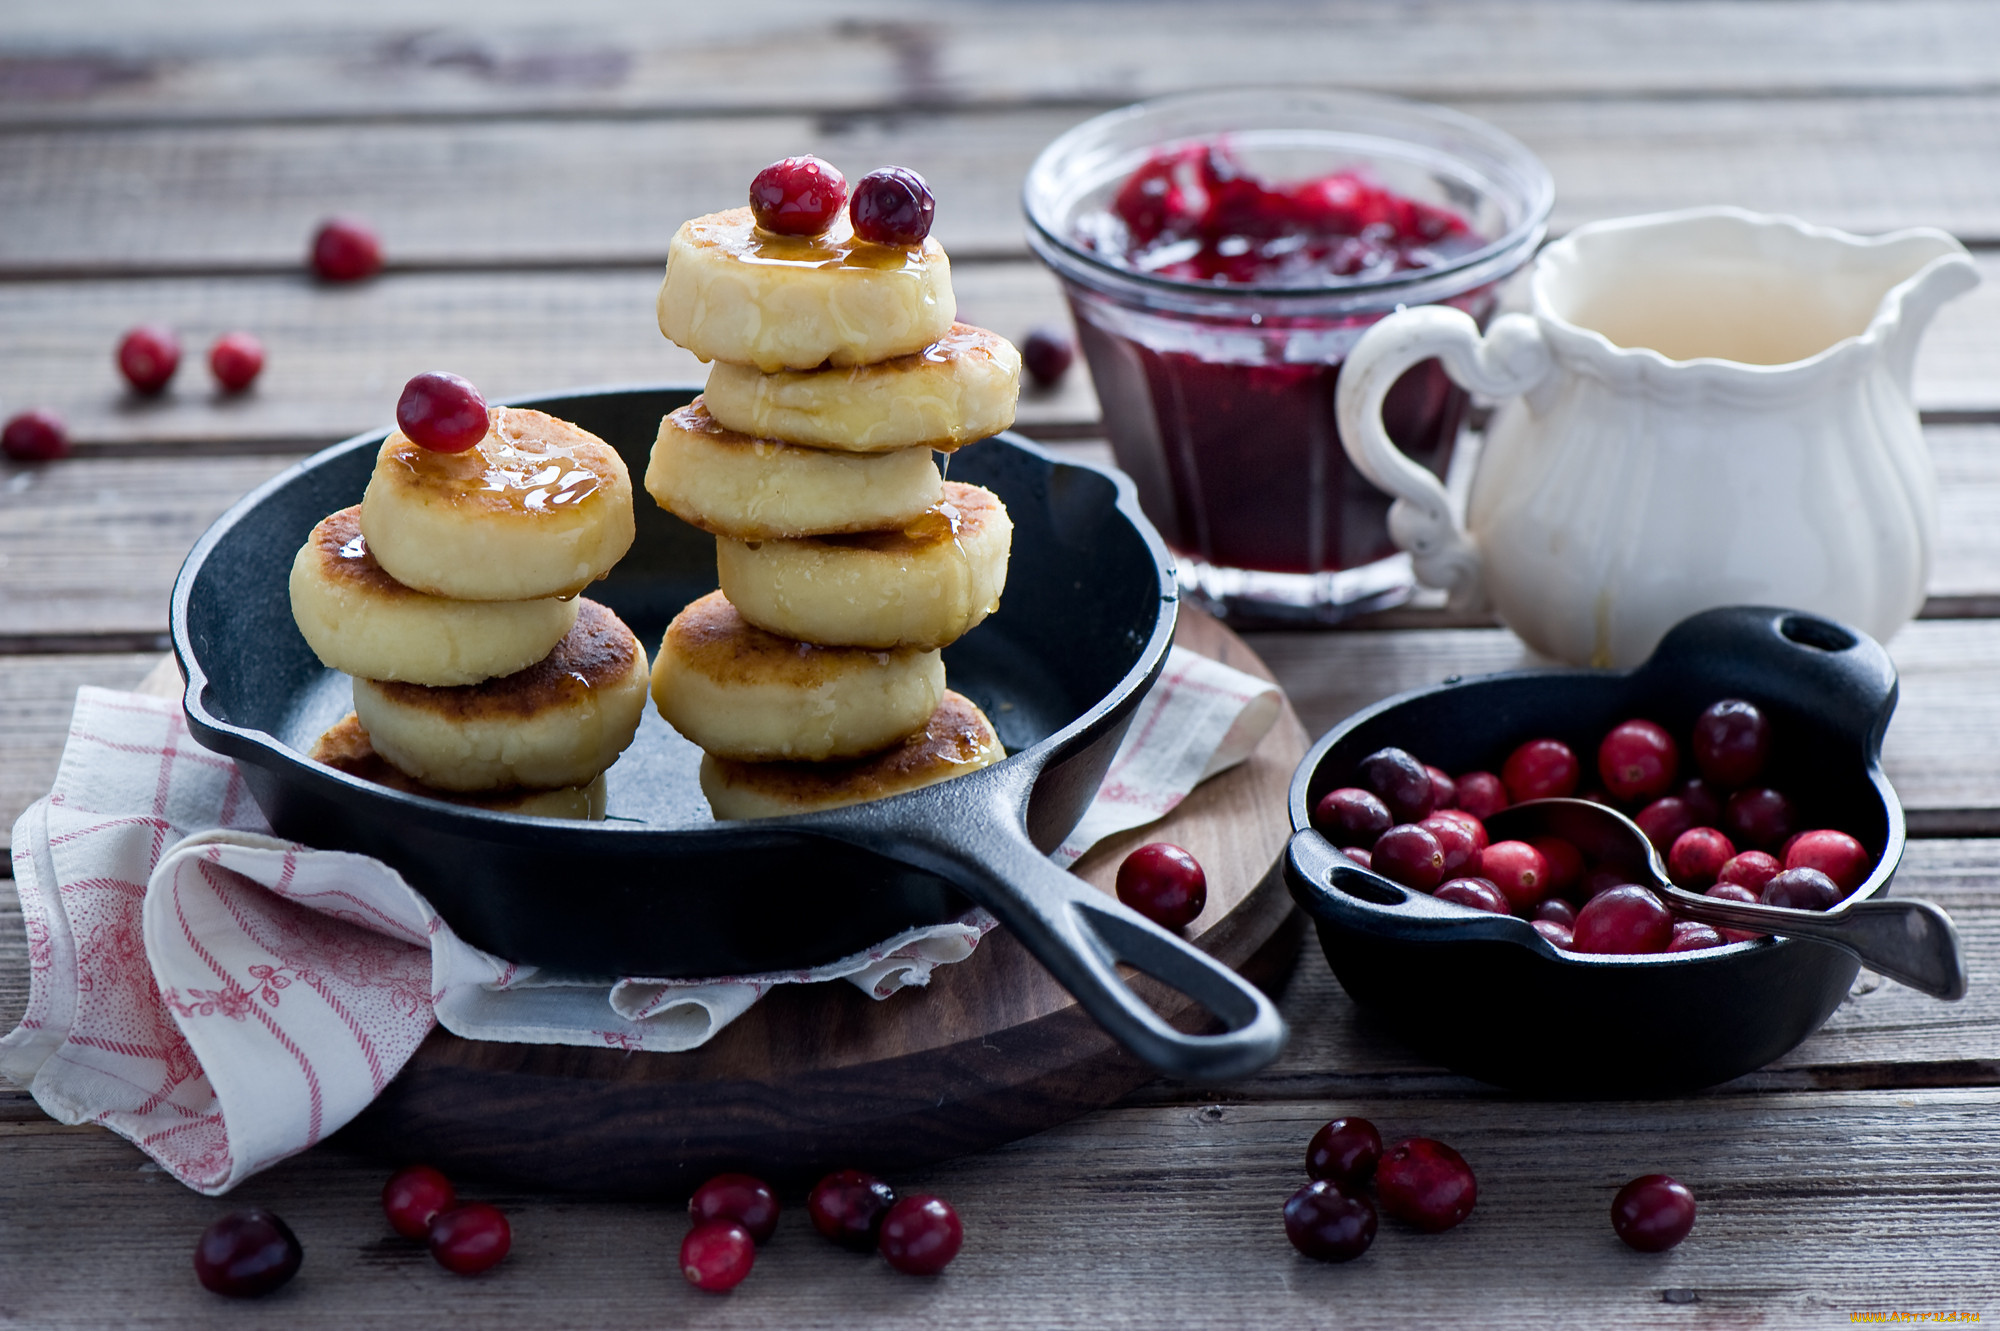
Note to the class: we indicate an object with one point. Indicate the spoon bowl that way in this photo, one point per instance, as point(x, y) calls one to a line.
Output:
point(1913, 942)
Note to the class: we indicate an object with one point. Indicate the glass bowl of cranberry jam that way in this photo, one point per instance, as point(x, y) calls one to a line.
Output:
point(1222, 252)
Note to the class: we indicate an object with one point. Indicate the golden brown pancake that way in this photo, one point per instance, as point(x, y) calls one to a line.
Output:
point(739, 692)
point(346, 748)
point(559, 722)
point(957, 739)
point(359, 620)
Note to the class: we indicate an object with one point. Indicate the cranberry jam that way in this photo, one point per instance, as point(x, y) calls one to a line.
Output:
point(1222, 252)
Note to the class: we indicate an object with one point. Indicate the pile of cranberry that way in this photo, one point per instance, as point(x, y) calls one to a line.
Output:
point(1720, 831)
point(734, 1213)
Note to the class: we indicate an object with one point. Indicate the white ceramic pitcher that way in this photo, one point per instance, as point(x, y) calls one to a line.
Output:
point(1705, 408)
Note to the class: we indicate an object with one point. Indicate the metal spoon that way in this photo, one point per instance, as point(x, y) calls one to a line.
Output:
point(1910, 941)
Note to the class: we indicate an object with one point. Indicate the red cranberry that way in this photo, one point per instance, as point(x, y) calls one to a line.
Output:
point(1410, 855)
point(1361, 857)
point(235, 360)
point(1693, 936)
point(1478, 893)
point(1403, 783)
point(1704, 805)
point(1759, 817)
point(717, 1255)
point(1637, 760)
point(1556, 911)
point(847, 1206)
point(892, 206)
point(1559, 934)
point(798, 196)
point(1540, 769)
point(1327, 1224)
point(1626, 920)
point(1481, 794)
point(1351, 817)
point(1664, 820)
point(1425, 1183)
point(1732, 740)
point(1835, 854)
point(1163, 883)
point(1652, 1213)
point(1565, 864)
point(346, 249)
point(920, 1235)
point(1736, 892)
point(1468, 822)
point(1599, 881)
point(747, 1200)
point(1801, 889)
point(471, 1238)
point(1046, 355)
point(1697, 857)
point(148, 357)
point(1519, 870)
point(1444, 790)
point(441, 412)
point(1344, 1151)
point(35, 436)
point(1461, 850)
point(413, 1197)
point(1751, 869)
point(246, 1254)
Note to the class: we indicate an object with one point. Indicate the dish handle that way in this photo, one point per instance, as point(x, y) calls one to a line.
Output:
point(970, 832)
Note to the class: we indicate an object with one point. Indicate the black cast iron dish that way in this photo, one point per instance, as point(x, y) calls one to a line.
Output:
point(1486, 994)
point(661, 890)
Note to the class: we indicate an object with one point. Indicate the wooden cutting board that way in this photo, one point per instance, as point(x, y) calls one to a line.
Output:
point(819, 1077)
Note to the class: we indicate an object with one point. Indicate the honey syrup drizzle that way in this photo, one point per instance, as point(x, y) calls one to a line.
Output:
point(535, 471)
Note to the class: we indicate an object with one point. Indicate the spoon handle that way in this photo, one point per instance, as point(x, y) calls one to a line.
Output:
point(1913, 942)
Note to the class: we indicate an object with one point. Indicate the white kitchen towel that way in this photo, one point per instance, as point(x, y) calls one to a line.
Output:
point(226, 999)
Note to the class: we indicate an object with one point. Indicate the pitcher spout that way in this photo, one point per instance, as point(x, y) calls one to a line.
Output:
point(1909, 306)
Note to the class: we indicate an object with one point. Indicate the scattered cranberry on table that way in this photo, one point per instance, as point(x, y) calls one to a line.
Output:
point(1626, 920)
point(1652, 1213)
point(415, 1196)
point(346, 249)
point(235, 360)
point(1329, 1224)
point(34, 436)
point(747, 1200)
point(892, 206)
point(471, 1238)
point(1047, 354)
point(441, 412)
point(798, 196)
point(1344, 1151)
point(717, 1255)
point(1163, 883)
point(1638, 760)
point(920, 1235)
point(847, 1206)
point(246, 1254)
point(148, 356)
point(1425, 1183)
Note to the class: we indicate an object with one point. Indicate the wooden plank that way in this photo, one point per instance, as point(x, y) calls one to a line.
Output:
point(1936, 752)
point(37, 694)
point(1812, 1207)
point(464, 59)
point(336, 358)
point(230, 197)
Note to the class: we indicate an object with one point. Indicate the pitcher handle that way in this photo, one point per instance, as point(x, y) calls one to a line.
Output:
point(1511, 359)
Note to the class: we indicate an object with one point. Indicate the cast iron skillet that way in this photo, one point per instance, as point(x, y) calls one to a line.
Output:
point(1486, 994)
point(660, 889)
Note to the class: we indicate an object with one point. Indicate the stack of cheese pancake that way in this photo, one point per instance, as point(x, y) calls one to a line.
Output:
point(450, 593)
point(813, 678)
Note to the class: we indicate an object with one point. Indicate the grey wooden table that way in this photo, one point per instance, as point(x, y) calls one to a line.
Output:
point(168, 162)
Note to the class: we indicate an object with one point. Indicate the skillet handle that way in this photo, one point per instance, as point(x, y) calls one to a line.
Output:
point(1081, 934)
